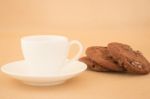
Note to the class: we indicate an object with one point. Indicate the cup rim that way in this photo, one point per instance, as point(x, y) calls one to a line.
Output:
point(39, 38)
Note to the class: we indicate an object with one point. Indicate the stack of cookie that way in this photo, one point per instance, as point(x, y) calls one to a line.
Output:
point(116, 57)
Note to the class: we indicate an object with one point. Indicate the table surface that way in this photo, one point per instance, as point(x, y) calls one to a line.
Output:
point(89, 84)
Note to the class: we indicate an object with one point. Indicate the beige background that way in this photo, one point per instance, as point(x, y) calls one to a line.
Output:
point(93, 22)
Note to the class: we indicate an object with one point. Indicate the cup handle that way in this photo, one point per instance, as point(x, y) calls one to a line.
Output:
point(77, 56)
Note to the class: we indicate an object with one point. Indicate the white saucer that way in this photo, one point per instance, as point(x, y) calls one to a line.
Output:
point(18, 71)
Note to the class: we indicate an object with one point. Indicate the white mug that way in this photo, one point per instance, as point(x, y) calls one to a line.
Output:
point(47, 54)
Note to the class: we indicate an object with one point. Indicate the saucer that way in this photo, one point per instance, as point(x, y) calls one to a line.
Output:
point(19, 71)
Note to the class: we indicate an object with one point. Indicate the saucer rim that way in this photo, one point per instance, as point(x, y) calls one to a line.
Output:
point(2, 68)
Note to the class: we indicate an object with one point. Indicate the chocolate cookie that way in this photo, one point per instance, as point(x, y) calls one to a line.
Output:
point(132, 61)
point(101, 56)
point(93, 65)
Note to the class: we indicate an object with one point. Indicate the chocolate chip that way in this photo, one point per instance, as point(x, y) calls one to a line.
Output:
point(93, 66)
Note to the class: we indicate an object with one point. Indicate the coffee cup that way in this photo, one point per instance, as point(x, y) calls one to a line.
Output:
point(47, 54)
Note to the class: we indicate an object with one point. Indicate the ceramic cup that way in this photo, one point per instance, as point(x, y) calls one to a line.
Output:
point(47, 54)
